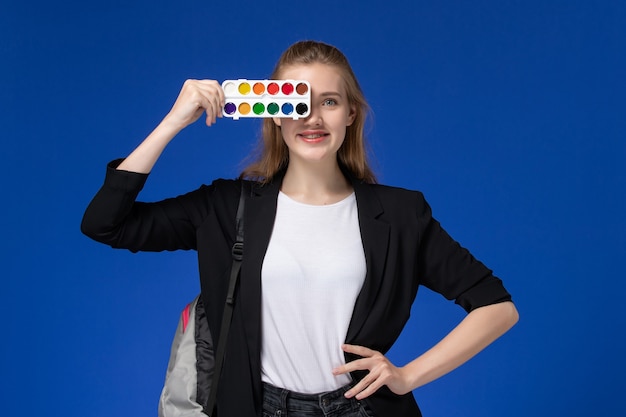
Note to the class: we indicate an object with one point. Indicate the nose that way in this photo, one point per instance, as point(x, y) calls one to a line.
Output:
point(314, 118)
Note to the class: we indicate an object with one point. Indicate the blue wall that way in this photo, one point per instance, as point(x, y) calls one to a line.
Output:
point(508, 115)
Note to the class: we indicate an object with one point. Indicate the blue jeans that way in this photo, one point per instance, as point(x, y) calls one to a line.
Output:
point(278, 402)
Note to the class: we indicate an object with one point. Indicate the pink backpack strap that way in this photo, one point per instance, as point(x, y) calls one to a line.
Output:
point(185, 317)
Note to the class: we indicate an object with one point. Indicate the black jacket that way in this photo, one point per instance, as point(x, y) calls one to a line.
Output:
point(404, 247)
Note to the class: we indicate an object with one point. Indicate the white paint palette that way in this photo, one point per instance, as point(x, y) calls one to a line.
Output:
point(266, 98)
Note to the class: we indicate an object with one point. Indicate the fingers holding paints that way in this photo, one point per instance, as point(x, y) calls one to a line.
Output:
point(195, 98)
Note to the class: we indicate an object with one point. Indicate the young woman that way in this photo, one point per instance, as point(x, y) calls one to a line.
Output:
point(333, 260)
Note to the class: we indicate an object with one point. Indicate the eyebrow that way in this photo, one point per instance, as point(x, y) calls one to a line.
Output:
point(330, 94)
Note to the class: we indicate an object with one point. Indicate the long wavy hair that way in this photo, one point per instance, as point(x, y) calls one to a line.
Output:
point(272, 155)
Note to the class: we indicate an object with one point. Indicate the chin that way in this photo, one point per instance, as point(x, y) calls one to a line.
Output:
point(313, 157)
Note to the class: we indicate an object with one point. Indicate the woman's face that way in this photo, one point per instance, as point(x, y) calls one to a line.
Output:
point(319, 136)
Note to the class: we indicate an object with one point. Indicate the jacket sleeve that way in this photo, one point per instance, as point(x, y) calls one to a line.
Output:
point(449, 269)
point(114, 217)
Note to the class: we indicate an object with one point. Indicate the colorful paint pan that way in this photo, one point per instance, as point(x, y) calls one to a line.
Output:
point(267, 98)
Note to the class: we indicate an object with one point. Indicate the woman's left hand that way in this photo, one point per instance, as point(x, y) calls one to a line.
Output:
point(381, 372)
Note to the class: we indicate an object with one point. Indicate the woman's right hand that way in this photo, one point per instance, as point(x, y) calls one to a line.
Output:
point(197, 97)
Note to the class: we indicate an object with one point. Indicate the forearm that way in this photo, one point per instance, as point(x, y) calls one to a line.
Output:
point(477, 330)
point(143, 158)
point(195, 98)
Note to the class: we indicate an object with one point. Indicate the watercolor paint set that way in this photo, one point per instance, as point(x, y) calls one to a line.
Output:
point(266, 98)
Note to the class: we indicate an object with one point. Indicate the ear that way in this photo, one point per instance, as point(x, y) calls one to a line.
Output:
point(351, 115)
point(277, 121)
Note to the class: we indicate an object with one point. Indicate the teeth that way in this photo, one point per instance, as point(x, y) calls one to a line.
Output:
point(312, 136)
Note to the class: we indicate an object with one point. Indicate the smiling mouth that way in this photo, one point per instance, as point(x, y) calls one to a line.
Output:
point(312, 136)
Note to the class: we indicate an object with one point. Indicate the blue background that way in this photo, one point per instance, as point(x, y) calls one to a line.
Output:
point(508, 115)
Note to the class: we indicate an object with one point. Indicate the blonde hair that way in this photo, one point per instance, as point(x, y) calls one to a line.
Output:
point(273, 154)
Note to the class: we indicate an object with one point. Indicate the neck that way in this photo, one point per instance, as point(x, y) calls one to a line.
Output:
point(317, 184)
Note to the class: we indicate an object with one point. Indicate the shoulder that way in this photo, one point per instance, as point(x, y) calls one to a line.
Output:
point(398, 192)
point(392, 204)
point(223, 192)
point(221, 187)
point(219, 195)
point(391, 196)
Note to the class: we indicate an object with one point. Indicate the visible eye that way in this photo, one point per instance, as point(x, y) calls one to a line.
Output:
point(329, 102)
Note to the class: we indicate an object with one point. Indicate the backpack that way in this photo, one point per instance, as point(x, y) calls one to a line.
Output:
point(194, 366)
point(190, 368)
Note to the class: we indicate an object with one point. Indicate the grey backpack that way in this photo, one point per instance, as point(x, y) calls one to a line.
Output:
point(193, 371)
point(190, 368)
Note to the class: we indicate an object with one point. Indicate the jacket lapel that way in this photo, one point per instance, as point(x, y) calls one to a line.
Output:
point(259, 215)
point(375, 237)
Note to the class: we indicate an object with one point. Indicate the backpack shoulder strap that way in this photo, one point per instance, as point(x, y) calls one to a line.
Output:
point(237, 253)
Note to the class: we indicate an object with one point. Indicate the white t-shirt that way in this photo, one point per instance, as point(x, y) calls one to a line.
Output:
point(312, 273)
